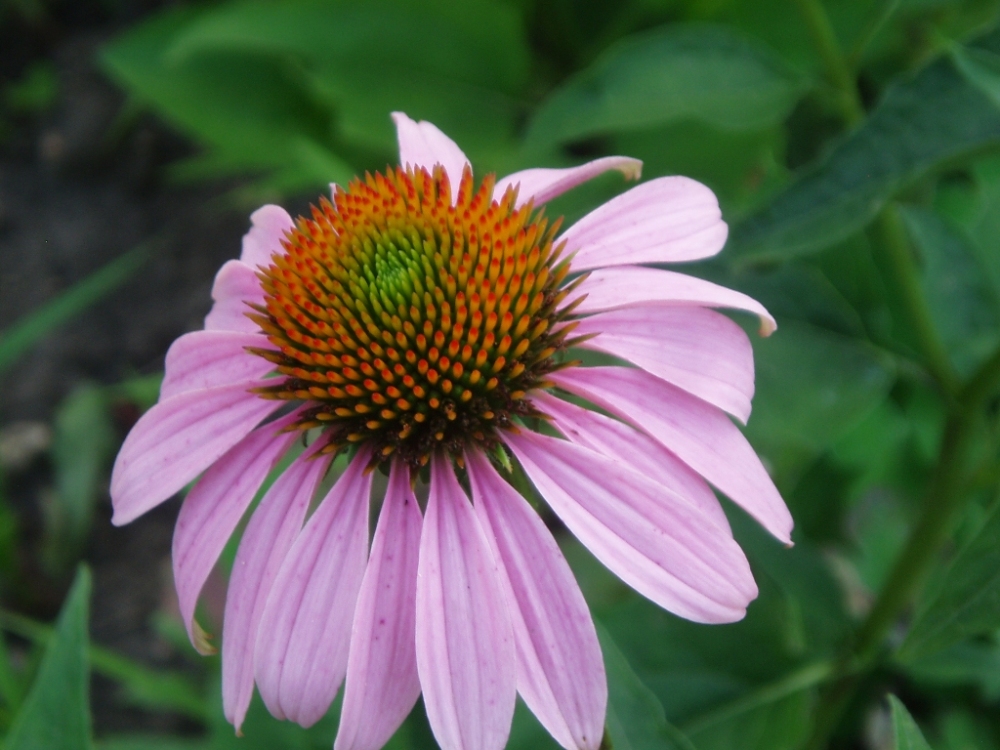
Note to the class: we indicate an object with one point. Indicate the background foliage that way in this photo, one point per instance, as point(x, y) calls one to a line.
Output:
point(855, 149)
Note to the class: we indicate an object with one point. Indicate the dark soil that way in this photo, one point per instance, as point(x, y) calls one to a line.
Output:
point(71, 200)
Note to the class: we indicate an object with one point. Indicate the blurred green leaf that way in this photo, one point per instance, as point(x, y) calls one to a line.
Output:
point(814, 385)
point(973, 205)
point(56, 713)
point(635, 719)
point(26, 332)
point(142, 390)
point(963, 729)
point(922, 124)
point(526, 733)
point(157, 689)
point(252, 110)
point(981, 68)
point(739, 166)
point(967, 600)
point(261, 731)
point(959, 295)
point(707, 73)
point(475, 41)
point(964, 663)
point(767, 717)
point(772, 725)
point(906, 733)
point(294, 88)
point(359, 61)
point(83, 444)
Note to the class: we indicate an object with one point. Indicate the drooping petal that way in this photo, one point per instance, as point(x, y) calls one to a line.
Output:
point(542, 185)
point(178, 439)
point(696, 349)
point(382, 685)
point(560, 670)
point(666, 220)
point(214, 507)
point(616, 288)
point(208, 359)
point(422, 144)
point(268, 537)
point(270, 223)
point(465, 647)
point(625, 444)
point(699, 434)
point(301, 651)
point(236, 285)
point(668, 552)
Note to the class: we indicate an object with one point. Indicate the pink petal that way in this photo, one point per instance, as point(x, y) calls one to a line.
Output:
point(666, 220)
point(627, 445)
point(178, 439)
point(465, 648)
point(698, 434)
point(382, 685)
point(699, 350)
point(542, 185)
point(270, 224)
point(301, 651)
point(560, 670)
point(615, 288)
point(421, 144)
point(269, 535)
point(667, 551)
point(214, 507)
point(208, 359)
point(236, 285)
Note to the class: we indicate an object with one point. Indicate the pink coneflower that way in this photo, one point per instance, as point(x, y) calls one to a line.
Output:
point(424, 325)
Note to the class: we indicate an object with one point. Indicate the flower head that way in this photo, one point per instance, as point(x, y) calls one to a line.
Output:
point(423, 323)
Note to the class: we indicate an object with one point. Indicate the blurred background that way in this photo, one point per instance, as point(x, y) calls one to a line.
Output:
point(854, 146)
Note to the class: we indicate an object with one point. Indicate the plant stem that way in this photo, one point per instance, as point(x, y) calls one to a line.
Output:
point(837, 69)
point(942, 504)
point(901, 273)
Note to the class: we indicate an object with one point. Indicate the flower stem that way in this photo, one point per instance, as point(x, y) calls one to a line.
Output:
point(837, 70)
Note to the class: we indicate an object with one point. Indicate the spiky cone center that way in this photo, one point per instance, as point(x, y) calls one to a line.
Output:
point(412, 325)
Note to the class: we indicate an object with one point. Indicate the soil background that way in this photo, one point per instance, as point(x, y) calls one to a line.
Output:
point(76, 191)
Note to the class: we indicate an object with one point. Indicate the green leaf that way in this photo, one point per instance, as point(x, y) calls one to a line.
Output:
point(156, 689)
point(906, 733)
point(56, 713)
point(27, 331)
point(142, 390)
point(478, 42)
point(964, 663)
point(526, 733)
point(338, 67)
point(708, 73)
point(958, 292)
point(922, 124)
point(966, 601)
point(83, 445)
point(814, 385)
point(981, 68)
point(767, 717)
point(635, 718)
point(252, 110)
